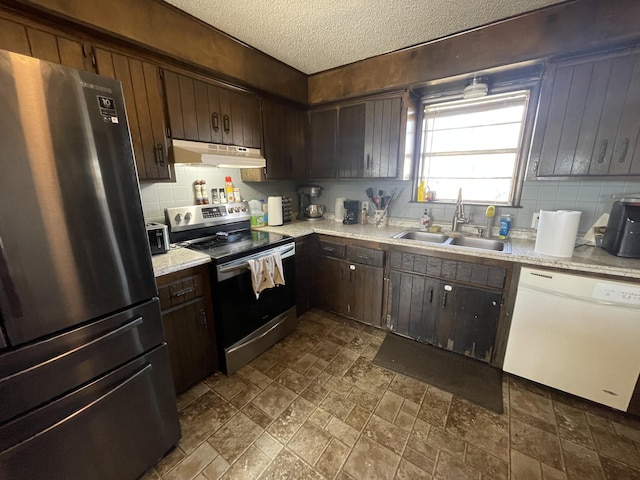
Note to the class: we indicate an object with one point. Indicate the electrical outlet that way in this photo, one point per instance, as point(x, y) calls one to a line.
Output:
point(535, 219)
point(365, 205)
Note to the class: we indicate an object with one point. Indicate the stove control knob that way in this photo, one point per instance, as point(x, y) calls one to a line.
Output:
point(233, 209)
point(243, 209)
point(178, 217)
point(187, 216)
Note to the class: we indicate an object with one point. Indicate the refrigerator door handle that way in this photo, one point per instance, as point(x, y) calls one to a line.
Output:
point(118, 331)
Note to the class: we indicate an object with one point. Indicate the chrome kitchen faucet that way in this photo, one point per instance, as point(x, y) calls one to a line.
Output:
point(458, 216)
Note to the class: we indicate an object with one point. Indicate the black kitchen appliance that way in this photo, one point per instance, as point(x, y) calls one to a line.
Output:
point(158, 235)
point(245, 325)
point(85, 380)
point(352, 212)
point(622, 236)
point(309, 206)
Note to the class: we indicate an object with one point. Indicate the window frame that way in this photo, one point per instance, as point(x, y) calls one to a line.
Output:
point(444, 93)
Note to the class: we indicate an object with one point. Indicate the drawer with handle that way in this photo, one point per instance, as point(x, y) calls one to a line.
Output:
point(181, 291)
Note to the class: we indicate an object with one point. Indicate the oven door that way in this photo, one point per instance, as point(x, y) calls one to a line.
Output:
point(246, 326)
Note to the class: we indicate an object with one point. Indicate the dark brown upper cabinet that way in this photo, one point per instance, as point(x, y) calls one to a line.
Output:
point(358, 140)
point(284, 140)
point(323, 125)
point(204, 112)
point(588, 123)
point(142, 88)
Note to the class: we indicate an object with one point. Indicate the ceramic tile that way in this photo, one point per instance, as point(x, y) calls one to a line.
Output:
point(445, 441)
point(486, 463)
point(250, 465)
point(235, 436)
point(193, 463)
point(332, 458)
point(573, 425)
point(581, 463)
point(536, 443)
point(268, 445)
point(386, 434)
point(450, 468)
point(479, 426)
point(409, 471)
point(286, 425)
point(389, 406)
point(309, 442)
point(286, 466)
point(370, 460)
point(203, 417)
point(342, 431)
point(274, 400)
point(435, 407)
point(293, 380)
point(314, 406)
point(337, 406)
point(523, 467)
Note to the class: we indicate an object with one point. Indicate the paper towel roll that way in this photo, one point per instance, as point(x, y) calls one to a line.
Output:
point(557, 232)
point(274, 207)
point(339, 209)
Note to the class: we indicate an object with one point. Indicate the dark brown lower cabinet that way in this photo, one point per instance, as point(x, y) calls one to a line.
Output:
point(303, 274)
point(187, 317)
point(423, 303)
point(349, 280)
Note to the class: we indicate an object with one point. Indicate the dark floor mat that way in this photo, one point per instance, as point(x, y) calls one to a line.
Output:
point(468, 378)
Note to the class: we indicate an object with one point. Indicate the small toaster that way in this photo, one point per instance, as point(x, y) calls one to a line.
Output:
point(158, 234)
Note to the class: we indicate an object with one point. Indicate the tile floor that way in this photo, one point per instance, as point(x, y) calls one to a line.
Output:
point(314, 407)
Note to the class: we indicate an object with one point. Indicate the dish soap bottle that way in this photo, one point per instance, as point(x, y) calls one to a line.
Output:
point(505, 225)
point(425, 223)
point(421, 192)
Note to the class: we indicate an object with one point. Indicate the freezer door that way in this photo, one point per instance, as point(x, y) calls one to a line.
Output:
point(32, 375)
point(73, 245)
point(113, 428)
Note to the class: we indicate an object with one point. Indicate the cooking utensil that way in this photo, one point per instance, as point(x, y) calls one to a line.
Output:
point(369, 192)
point(393, 194)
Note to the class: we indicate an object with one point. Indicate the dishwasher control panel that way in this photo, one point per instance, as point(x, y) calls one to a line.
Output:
point(617, 293)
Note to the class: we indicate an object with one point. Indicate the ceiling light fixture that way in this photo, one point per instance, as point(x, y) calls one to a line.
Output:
point(475, 88)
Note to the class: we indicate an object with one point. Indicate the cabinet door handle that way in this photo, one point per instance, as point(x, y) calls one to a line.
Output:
point(226, 123)
point(603, 150)
point(444, 300)
point(431, 295)
point(160, 154)
point(328, 249)
point(364, 257)
point(215, 121)
point(203, 318)
point(183, 292)
point(625, 148)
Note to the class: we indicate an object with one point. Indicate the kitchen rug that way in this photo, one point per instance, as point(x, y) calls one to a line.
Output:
point(470, 379)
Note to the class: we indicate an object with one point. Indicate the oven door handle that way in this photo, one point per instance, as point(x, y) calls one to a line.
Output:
point(245, 264)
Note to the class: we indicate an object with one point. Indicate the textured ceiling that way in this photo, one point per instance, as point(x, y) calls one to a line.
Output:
point(316, 35)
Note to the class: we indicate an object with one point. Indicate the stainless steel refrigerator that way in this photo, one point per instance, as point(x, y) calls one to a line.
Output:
point(85, 381)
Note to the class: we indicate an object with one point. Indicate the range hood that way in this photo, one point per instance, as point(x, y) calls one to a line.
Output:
point(215, 155)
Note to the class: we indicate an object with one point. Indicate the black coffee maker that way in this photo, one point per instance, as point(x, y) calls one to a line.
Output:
point(622, 236)
point(352, 211)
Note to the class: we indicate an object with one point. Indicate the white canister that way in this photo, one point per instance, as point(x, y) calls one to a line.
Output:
point(274, 205)
point(339, 209)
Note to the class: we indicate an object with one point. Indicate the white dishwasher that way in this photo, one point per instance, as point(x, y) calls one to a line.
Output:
point(577, 334)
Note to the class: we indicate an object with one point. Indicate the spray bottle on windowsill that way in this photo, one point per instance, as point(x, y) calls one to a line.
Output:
point(425, 222)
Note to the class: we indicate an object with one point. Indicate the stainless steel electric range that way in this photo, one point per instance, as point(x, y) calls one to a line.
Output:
point(246, 326)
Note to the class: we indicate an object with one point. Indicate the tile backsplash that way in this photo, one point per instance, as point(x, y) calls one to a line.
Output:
point(592, 198)
point(158, 196)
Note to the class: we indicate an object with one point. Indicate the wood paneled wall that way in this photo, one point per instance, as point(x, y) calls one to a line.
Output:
point(568, 28)
point(163, 28)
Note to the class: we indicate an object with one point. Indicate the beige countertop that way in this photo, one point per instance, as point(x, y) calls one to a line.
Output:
point(176, 259)
point(584, 259)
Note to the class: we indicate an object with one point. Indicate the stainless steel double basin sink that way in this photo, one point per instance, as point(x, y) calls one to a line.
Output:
point(466, 242)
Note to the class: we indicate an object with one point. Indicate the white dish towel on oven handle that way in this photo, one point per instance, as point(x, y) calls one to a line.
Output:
point(266, 272)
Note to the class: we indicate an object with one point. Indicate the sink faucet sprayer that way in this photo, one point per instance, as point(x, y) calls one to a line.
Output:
point(458, 217)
